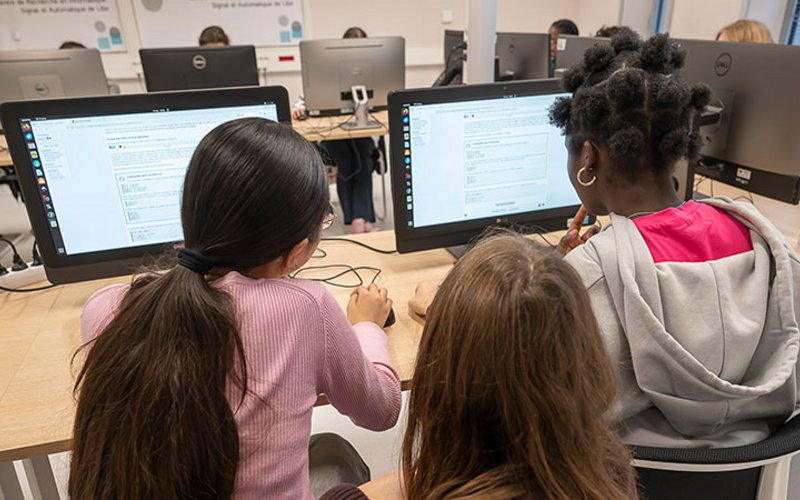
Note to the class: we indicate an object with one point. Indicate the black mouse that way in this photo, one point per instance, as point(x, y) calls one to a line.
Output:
point(390, 320)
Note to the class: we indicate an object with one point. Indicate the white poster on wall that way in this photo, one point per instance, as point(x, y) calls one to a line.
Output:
point(178, 23)
point(46, 24)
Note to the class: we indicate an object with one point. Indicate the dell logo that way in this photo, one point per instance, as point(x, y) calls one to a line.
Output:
point(723, 64)
point(199, 62)
point(42, 89)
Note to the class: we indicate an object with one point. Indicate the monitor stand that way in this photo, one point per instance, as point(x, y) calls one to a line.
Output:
point(458, 251)
point(361, 102)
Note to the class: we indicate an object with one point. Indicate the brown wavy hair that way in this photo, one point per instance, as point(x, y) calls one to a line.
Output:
point(511, 385)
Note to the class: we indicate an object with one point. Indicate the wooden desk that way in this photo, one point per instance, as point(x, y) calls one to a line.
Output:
point(41, 331)
point(328, 128)
point(5, 156)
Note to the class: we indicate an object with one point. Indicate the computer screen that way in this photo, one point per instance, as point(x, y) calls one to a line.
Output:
point(753, 144)
point(190, 68)
point(331, 67)
point(523, 56)
point(106, 177)
point(474, 156)
point(50, 74)
point(570, 49)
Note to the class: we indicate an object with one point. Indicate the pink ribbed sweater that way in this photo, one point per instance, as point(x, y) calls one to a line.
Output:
point(298, 344)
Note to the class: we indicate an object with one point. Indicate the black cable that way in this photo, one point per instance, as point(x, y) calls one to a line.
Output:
point(13, 247)
point(346, 269)
point(23, 290)
point(321, 255)
point(364, 245)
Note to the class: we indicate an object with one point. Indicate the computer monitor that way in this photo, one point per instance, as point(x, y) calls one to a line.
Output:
point(519, 56)
point(753, 145)
point(48, 74)
point(331, 68)
point(191, 68)
point(102, 176)
point(453, 57)
point(570, 50)
point(472, 156)
point(523, 56)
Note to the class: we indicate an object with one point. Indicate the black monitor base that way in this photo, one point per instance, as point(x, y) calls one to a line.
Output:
point(457, 251)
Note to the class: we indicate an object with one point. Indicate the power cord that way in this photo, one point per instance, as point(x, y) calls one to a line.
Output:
point(344, 270)
point(18, 263)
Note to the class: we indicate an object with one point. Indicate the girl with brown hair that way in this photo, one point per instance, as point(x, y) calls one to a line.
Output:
point(510, 388)
point(200, 381)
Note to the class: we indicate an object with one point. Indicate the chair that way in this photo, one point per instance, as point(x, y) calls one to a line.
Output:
point(757, 471)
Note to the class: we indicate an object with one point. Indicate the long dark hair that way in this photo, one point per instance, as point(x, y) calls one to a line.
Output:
point(153, 417)
point(511, 384)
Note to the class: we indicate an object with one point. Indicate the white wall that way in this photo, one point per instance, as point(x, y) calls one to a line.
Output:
point(770, 12)
point(418, 21)
point(594, 14)
point(702, 19)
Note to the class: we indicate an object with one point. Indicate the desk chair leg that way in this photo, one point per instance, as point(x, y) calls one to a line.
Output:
point(774, 483)
point(41, 479)
point(9, 482)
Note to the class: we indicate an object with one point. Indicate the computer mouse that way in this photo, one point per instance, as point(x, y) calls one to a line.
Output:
point(390, 320)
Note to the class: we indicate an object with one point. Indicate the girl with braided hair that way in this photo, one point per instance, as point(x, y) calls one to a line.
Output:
point(698, 301)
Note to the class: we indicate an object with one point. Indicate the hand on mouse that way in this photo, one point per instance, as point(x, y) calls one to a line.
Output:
point(369, 304)
point(299, 113)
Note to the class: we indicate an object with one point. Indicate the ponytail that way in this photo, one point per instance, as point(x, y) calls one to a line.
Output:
point(153, 419)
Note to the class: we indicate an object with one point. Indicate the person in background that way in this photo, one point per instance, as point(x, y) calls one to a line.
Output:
point(510, 389)
point(355, 162)
point(699, 301)
point(199, 382)
point(560, 27)
point(214, 36)
point(745, 30)
point(72, 45)
point(610, 31)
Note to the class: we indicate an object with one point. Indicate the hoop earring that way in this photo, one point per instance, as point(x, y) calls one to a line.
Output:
point(581, 181)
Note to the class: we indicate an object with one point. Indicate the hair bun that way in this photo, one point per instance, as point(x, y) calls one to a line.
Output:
point(701, 96)
point(625, 41)
point(626, 89)
point(628, 142)
point(561, 111)
point(598, 57)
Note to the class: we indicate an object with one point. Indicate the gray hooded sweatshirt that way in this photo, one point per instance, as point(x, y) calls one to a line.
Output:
point(706, 352)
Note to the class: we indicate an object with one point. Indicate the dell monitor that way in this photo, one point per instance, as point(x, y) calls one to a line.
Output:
point(753, 144)
point(102, 176)
point(191, 68)
point(333, 70)
point(518, 56)
point(570, 50)
point(473, 156)
point(48, 74)
point(523, 56)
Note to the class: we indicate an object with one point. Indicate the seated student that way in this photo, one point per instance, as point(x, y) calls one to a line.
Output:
point(510, 389)
point(214, 36)
point(745, 30)
point(698, 301)
point(199, 382)
point(71, 45)
point(354, 159)
point(560, 27)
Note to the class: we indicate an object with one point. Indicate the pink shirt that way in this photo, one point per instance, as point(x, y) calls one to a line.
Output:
point(298, 344)
point(694, 232)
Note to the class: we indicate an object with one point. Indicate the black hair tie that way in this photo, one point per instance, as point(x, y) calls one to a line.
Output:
point(195, 261)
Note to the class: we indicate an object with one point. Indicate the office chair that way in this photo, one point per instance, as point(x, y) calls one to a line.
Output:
point(759, 471)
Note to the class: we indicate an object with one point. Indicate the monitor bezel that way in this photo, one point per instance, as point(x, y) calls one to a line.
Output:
point(116, 262)
point(412, 239)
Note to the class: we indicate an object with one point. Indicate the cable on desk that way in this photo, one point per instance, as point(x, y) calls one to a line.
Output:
point(319, 254)
point(23, 290)
point(345, 269)
point(364, 245)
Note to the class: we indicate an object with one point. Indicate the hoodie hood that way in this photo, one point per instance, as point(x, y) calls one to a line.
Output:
point(711, 343)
